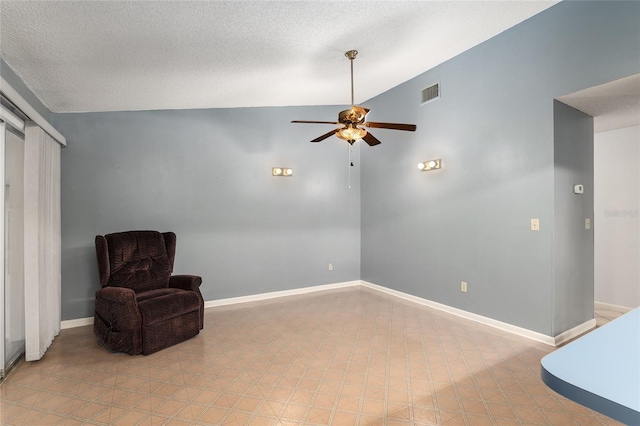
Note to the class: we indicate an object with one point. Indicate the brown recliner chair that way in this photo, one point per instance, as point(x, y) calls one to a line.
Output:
point(141, 308)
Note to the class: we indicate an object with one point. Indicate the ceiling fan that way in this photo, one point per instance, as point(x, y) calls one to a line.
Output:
point(353, 120)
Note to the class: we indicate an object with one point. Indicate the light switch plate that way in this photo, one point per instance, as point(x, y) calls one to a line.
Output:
point(587, 223)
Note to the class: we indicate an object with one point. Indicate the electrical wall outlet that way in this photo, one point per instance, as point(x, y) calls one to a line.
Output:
point(535, 224)
point(463, 287)
point(587, 223)
point(331, 267)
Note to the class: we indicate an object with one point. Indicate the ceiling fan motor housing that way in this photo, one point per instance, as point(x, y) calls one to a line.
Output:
point(355, 115)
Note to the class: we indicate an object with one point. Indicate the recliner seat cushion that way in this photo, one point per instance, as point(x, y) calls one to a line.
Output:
point(168, 306)
point(146, 295)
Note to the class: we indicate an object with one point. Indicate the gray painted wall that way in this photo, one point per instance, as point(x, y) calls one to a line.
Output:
point(573, 244)
point(18, 85)
point(425, 232)
point(206, 175)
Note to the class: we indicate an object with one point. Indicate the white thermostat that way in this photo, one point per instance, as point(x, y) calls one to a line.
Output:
point(578, 189)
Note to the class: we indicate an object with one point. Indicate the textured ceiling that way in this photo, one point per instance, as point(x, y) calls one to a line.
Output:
point(138, 55)
point(613, 105)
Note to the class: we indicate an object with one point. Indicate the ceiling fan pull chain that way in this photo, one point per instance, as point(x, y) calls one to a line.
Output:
point(350, 164)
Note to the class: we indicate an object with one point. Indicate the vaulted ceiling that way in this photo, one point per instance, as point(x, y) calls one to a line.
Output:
point(137, 55)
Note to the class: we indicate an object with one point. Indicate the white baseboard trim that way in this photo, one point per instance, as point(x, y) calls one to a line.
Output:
point(574, 332)
point(610, 307)
point(78, 322)
point(523, 332)
point(276, 294)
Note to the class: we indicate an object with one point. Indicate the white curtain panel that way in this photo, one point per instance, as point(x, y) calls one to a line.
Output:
point(42, 241)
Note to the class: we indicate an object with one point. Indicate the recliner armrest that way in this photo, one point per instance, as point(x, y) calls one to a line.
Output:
point(118, 294)
point(185, 282)
point(192, 283)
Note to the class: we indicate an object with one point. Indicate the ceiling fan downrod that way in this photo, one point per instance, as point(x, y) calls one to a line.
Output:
point(351, 54)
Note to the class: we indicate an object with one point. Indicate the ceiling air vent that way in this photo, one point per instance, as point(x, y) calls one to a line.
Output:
point(430, 93)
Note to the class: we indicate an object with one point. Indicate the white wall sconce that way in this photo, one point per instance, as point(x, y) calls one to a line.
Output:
point(430, 165)
point(281, 171)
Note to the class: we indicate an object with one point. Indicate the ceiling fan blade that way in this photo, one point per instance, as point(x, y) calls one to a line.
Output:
point(315, 122)
point(371, 140)
point(393, 126)
point(326, 135)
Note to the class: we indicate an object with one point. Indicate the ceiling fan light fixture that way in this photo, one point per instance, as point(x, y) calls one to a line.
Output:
point(351, 134)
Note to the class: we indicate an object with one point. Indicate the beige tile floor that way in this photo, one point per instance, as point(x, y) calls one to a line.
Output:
point(341, 357)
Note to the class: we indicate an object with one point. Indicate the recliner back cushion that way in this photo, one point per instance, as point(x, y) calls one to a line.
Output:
point(138, 260)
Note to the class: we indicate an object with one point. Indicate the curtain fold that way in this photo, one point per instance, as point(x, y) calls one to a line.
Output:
point(42, 241)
